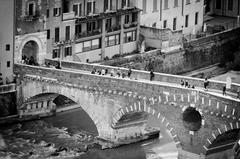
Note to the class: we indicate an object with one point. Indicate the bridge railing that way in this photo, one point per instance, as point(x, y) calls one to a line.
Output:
point(138, 74)
point(8, 88)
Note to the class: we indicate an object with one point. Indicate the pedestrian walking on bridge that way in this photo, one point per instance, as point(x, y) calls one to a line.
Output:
point(224, 90)
point(151, 75)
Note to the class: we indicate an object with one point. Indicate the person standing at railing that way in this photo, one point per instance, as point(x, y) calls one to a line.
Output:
point(1, 80)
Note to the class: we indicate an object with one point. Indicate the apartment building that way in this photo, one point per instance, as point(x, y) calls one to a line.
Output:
point(79, 30)
point(6, 40)
point(185, 15)
point(229, 8)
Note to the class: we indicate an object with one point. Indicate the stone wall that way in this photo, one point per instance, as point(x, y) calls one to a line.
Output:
point(156, 38)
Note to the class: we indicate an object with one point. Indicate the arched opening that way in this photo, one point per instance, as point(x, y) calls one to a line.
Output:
point(30, 53)
point(225, 146)
point(69, 114)
point(164, 146)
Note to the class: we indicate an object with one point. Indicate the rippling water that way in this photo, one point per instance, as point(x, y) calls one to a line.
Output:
point(65, 136)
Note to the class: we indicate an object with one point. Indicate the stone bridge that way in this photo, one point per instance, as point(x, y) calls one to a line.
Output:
point(120, 107)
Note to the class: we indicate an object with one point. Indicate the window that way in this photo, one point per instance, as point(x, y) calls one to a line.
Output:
point(91, 45)
point(77, 8)
point(8, 63)
point(155, 6)
point(165, 24)
point(56, 53)
point(196, 18)
point(125, 3)
point(130, 36)
point(89, 7)
point(218, 4)
point(165, 4)
point(108, 23)
point(127, 17)
point(56, 34)
point(175, 3)
point(67, 36)
point(198, 0)
point(134, 17)
point(112, 40)
point(78, 28)
point(95, 44)
point(31, 8)
point(56, 12)
point(174, 23)
point(186, 20)
point(68, 51)
point(7, 47)
point(230, 5)
point(187, 1)
point(105, 5)
point(47, 13)
point(144, 6)
point(48, 34)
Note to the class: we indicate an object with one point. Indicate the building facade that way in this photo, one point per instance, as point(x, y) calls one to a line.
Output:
point(79, 30)
point(185, 15)
point(229, 8)
point(6, 40)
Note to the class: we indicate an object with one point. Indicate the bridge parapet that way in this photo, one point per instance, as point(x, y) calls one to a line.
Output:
point(138, 74)
point(8, 88)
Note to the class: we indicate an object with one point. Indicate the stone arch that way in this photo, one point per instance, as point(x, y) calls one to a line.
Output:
point(53, 96)
point(219, 131)
point(138, 107)
point(94, 118)
point(39, 38)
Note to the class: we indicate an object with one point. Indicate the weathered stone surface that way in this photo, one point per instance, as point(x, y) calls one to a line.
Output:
point(107, 107)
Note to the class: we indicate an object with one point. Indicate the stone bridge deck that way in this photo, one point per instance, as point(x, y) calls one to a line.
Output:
point(166, 100)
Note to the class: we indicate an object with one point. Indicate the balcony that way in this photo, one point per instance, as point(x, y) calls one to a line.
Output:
point(68, 16)
point(30, 18)
point(107, 14)
point(62, 42)
point(113, 28)
point(88, 34)
point(7, 88)
point(130, 25)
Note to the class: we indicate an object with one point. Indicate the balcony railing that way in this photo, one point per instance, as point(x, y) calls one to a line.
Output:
point(30, 18)
point(8, 88)
point(113, 28)
point(130, 25)
point(62, 42)
point(87, 34)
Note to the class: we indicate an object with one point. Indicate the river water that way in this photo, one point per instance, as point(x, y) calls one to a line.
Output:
point(64, 136)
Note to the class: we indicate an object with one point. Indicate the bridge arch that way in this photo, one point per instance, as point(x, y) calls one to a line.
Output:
point(57, 99)
point(94, 117)
point(145, 109)
point(220, 133)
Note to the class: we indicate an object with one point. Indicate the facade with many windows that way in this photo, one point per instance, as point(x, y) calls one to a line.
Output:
point(80, 30)
point(229, 8)
point(185, 15)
